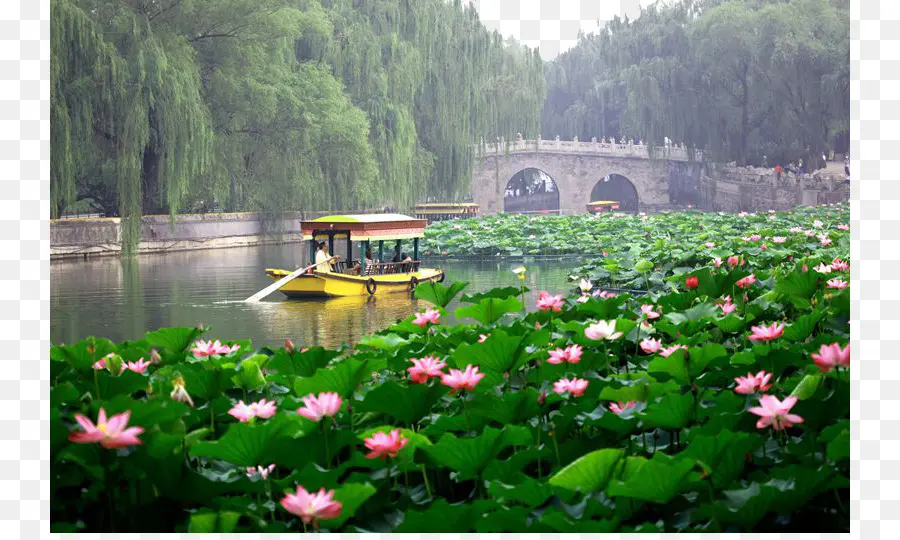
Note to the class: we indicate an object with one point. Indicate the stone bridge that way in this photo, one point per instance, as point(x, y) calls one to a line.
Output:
point(576, 168)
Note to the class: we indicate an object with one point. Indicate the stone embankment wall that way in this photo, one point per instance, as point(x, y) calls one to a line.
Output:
point(750, 189)
point(102, 236)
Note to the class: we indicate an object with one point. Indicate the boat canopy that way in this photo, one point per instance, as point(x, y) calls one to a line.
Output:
point(363, 227)
point(602, 203)
point(446, 208)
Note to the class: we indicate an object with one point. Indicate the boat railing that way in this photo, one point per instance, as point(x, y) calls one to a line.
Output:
point(376, 269)
point(387, 268)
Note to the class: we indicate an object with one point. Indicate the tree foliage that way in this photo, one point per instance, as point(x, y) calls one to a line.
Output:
point(272, 105)
point(741, 79)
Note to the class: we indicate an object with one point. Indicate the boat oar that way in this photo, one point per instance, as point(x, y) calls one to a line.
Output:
point(278, 284)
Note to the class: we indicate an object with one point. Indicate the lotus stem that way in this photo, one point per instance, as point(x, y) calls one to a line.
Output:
point(556, 450)
point(327, 447)
point(427, 485)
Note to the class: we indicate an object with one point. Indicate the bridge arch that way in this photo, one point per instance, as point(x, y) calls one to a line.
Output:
point(616, 187)
point(531, 190)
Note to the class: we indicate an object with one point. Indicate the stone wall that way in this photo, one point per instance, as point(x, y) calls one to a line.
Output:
point(102, 236)
point(750, 189)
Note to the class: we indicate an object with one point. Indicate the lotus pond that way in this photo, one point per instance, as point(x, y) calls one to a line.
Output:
point(715, 399)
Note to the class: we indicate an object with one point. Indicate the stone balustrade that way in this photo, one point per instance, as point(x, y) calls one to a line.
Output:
point(599, 148)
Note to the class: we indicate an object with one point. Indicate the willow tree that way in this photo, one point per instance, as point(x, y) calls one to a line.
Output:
point(150, 119)
point(287, 136)
point(272, 105)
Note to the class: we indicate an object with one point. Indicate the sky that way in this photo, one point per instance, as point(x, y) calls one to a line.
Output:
point(552, 25)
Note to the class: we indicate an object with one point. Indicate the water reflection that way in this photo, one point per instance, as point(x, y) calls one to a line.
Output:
point(122, 299)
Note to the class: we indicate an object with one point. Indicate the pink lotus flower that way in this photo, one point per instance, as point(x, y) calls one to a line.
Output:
point(766, 333)
point(138, 367)
point(432, 316)
point(743, 214)
point(585, 285)
point(734, 260)
point(752, 238)
point(710, 245)
point(817, 224)
point(605, 254)
point(202, 349)
point(605, 294)
point(263, 472)
point(425, 368)
point(764, 246)
point(840, 265)
point(574, 353)
point(843, 227)
point(752, 384)
point(112, 433)
point(582, 299)
point(836, 283)
point(548, 302)
point(289, 346)
point(647, 310)
point(667, 351)
point(311, 507)
point(462, 380)
point(622, 408)
point(571, 354)
point(745, 282)
point(717, 262)
point(728, 307)
point(796, 229)
point(779, 239)
point(650, 345)
point(385, 445)
point(775, 413)
point(824, 240)
point(823, 269)
point(832, 356)
point(809, 234)
point(318, 407)
point(602, 330)
point(558, 356)
point(261, 409)
point(483, 337)
point(101, 364)
point(574, 387)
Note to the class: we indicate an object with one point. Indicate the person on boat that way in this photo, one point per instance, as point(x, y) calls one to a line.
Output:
point(322, 258)
point(370, 262)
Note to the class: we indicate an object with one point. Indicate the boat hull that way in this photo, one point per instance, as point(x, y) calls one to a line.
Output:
point(330, 285)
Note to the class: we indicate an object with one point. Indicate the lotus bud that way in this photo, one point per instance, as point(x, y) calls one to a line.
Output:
point(154, 357)
point(179, 392)
point(289, 346)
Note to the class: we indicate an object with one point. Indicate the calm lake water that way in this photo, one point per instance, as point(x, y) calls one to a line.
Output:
point(122, 299)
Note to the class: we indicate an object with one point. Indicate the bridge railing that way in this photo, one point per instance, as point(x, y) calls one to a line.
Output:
point(677, 153)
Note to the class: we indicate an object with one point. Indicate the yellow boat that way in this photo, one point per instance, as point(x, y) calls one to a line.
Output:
point(351, 277)
point(597, 207)
point(432, 212)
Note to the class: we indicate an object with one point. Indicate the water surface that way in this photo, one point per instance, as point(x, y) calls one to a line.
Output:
point(122, 299)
